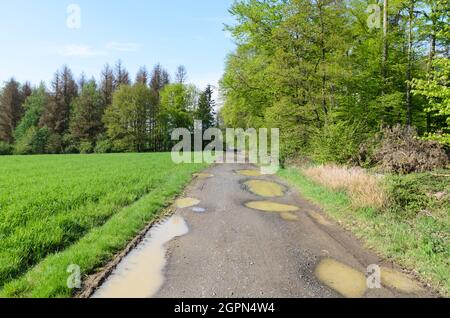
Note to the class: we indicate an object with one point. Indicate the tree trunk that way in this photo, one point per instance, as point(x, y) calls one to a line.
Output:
point(409, 66)
point(385, 45)
point(430, 65)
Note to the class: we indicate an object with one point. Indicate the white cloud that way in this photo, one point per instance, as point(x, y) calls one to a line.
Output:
point(80, 50)
point(123, 47)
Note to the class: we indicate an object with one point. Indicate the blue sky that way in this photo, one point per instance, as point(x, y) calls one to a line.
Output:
point(36, 40)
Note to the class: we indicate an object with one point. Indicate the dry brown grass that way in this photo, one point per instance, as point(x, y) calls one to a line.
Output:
point(364, 189)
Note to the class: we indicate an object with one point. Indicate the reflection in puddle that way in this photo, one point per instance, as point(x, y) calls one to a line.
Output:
point(345, 280)
point(199, 210)
point(140, 273)
point(265, 188)
point(250, 173)
point(268, 206)
point(399, 281)
point(288, 216)
point(186, 203)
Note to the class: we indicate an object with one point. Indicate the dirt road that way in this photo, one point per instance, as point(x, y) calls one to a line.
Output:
point(226, 249)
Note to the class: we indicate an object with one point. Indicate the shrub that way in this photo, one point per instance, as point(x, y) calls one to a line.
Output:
point(5, 149)
point(69, 144)
point(54, 144)
point(103, 146)
point(33, 141)
point(364, 189)
point(337, 143)
point(401, 151)
point(412, 194)
point(86, 147)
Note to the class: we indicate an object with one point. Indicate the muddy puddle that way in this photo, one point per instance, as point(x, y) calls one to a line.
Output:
point(249, 173)
point(266, 189)
point(186, 203)
point(140, 273)
point(399, 281)
point(269, 206)
point(345, 280)
point(288, 216)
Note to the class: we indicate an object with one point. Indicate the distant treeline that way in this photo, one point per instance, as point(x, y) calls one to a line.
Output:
point(113, 114)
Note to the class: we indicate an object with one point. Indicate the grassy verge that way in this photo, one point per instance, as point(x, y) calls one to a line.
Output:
point(417, 241)
point(140, 185)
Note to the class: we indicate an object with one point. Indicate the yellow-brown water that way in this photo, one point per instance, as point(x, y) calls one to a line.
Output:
point(140, 273)
point(265, 188)
point(345, 280)
point(399, 281)
point(250, 173)
point(288, 216)
point(186, 203)
point(269, 206)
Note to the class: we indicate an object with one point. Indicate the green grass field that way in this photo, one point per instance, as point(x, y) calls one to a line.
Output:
point(76, 209)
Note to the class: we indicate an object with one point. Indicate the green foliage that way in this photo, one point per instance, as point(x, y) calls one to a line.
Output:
point(436, 90)
point(103, 146)
point(86, 147)
point(126, 118)
point(336, 142)
point(86, 122)
point(443, 139)
point(54, 144)
point(300, 65)
point(5, 149)
point(178, 105)
point(34, 141)
point(34, 106)
point(413, 194)
point(205, 108)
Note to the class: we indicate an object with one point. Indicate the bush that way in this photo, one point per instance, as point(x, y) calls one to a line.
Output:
point(401, 151)
point(412, 194)
point(337, 143)
point(5, 149)
point(69, 144)
point(33, 141)
point(54, 144)
point(86, 147)
point(103, 146)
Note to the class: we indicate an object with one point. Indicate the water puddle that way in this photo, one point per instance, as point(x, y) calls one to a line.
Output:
point(288, 216)
point(345, 280)
point(269, 206)
point(203, 175)
point(140, 273)
point(399, 281)
point(265, 188)
point(249, 173)
point(186, 203)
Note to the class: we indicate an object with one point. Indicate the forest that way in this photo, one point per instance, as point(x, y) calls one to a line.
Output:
point(334, 75)
point(113, 114)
